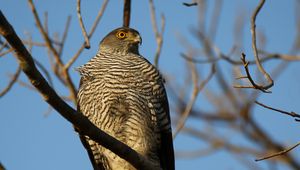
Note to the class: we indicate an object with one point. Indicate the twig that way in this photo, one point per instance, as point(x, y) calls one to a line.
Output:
point(86, 38)
point(158, 35)
point(34, 43)
point(215, 19)
point(45, 34)
point(64, 37)
point(26, 85)
point(6, 52)
point(3, 45)
point(196, 90)
point(278, 153)
point(11, 82)
point(185, 56)
point(254, 85)
point(190, 4)
point(45, 71)
point(293, 114)
point(126, 13)
point(268, 56)
point(258, 63)
point(100, 13)
point(84, 126)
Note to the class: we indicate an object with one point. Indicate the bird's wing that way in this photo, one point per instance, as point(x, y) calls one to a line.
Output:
point(84, 139)
point(166, 152)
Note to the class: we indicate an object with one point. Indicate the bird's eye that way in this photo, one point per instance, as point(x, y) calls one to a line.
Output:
point(121, 34)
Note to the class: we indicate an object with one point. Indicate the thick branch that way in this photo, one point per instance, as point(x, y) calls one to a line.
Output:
point(50, 96)
point(126, 14)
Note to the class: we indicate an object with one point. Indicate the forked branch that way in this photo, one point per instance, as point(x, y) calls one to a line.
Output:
point(254, 47)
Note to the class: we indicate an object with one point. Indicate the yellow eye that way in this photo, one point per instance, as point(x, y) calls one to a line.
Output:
point(121, 34)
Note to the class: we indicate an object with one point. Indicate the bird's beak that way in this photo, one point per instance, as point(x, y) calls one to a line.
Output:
point(137, 39)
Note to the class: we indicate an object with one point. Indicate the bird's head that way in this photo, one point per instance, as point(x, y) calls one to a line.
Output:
point(121, 40)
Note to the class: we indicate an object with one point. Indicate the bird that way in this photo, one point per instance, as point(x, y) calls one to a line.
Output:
point(123, 94)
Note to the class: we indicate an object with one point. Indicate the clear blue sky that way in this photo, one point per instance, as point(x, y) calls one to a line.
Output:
point(29, 140)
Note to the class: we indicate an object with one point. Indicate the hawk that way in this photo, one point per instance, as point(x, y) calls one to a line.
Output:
point(123, 94)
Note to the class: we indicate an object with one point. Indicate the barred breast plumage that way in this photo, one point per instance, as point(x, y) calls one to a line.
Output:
point(123, 94)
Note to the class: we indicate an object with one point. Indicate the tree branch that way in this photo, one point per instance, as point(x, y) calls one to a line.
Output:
point(50, 96)
point(249, 77)
point(293, 114)
point(96, 22)
point(11, 82)
point(197, 88)
point(126, 14)
point(86, 38)
point(158, 35)
point(258, 63)
point(278, 153)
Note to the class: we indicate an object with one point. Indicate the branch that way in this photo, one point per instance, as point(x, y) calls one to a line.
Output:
point(196, 90)
point(293, 114)
point(278, 153)
point(50, 96)
point(96, 22)
point(86, 38)
point(59, 66)
point(158, 35)
point(258, 63)
point(249, 77)
point(2, 167)
point(44, 34)
point(11, 82)
point(64, 37)
point(126, 14)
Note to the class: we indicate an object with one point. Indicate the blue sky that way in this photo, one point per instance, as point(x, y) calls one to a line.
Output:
point(31, 141)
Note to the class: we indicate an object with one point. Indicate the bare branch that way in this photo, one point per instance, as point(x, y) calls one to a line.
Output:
point(254, 85)
point(126, 13)
point(197, 88)
point(268, 57)
point(100, 13)
point(3, 45)
point(278, 153)
point(45, 34)
point(158, 35)
point(45, 71)
point(6, 52)
point(50, 96)
point(293, 114)
point(86, 38)
point(64, 37)
point(11, 82)
point(258, 63)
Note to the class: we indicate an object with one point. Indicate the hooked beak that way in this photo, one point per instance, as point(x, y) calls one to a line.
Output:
point(137, 39)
